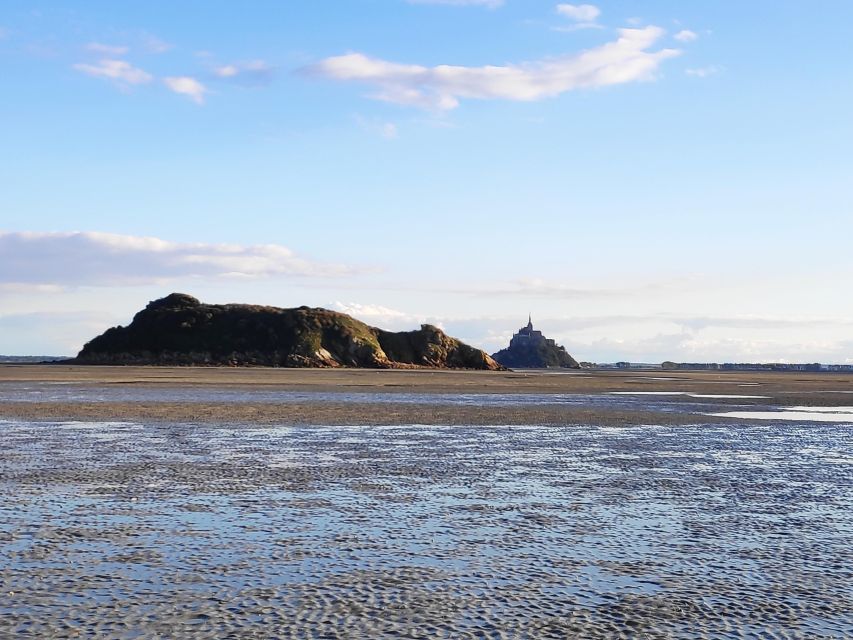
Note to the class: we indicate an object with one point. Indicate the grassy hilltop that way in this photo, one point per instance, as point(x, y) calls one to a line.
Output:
point(180, 330)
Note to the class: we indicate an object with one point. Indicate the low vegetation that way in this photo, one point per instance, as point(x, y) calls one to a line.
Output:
point(180, 330)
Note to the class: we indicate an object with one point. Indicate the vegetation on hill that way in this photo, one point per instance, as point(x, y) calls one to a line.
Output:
point(180, 330)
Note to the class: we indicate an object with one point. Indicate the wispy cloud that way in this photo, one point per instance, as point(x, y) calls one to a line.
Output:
point(107, 49)
point(685, 347)
point(254, 72)
point(153, 44)
point(123, 74)
point(187, 86)
point(359, 310)
point(4, 33)
point(387, 130)
point(704, 72)
point(650, 338)
point(104, 259)
point(579, 12)
point(582, 16)
point(385, 317)
point(685, 35)
point(539, 288)
point(491, 4)
point(624, 60)
point(120, 72)
point(698, 323)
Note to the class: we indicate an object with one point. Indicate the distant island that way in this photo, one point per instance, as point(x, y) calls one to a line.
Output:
point(724, 366)
point(180, 330)
point(529, 349)
point(756, 366)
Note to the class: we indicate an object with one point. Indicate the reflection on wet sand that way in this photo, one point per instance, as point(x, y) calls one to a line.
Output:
point(205, 531)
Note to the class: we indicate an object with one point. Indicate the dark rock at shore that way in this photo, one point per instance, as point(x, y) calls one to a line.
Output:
point(536, 357)
point(180, 330)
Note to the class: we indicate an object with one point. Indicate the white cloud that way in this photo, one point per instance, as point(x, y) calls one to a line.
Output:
point(704, 72)
point(104, 259)
point(658, 337)
point(227, 71)
point(491, 4)
point(107, 49)
point(685, 347)
point(627, 59)
point(583, 15)
point(120, 71)
point(254, 72)
point(383, 317)
point(187, 86)
point(686, 35)
point(579, 12)
point(358, 310)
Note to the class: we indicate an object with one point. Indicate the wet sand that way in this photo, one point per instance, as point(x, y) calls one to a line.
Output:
point(437, 381)
point(184, 503)
point(779, 389)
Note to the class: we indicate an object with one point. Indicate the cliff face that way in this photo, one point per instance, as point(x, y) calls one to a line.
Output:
point(180, 330)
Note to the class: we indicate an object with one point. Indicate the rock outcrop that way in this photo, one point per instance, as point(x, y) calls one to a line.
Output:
point(180, 330)
point(529, 349)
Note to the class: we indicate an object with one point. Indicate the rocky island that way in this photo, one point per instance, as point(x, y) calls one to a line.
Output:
point(529, 349)
point(180, 330)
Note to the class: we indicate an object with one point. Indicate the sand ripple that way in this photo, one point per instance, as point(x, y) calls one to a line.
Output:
point(124, 530)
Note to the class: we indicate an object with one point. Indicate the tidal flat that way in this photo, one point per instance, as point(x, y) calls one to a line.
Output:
point(602, 516)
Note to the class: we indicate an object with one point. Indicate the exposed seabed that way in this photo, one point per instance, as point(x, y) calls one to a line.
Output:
point(183, 530)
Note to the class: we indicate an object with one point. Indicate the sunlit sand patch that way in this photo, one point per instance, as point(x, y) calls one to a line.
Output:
point(725, 396)
point(716, 396)
point(648, 393)
point(799, 414)
point(560, 372)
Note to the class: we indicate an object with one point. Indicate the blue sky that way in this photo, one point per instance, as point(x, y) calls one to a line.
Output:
point(652, 180)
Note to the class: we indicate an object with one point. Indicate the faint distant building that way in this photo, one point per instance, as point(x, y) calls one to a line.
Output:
point(528, 335)
point(529, 349)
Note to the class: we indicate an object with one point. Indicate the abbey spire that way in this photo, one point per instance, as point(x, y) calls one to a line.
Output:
point(529, 349)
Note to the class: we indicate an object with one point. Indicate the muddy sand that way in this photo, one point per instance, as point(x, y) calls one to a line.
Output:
point(186, 503)
point(367, 397)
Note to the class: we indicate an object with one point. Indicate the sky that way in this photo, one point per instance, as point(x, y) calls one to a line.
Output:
point(656, 180)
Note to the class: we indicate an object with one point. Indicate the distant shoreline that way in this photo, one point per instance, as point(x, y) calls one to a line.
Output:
point(34, 359)
point(815, 367)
